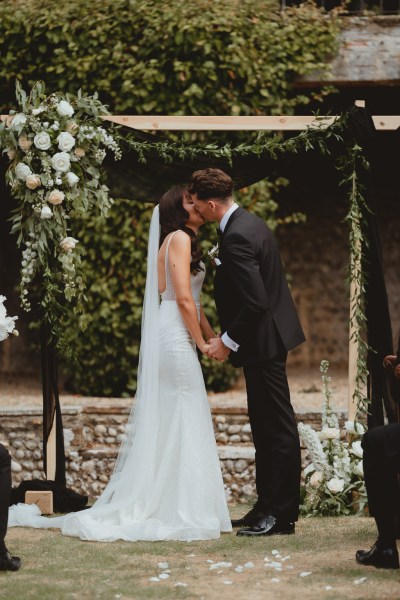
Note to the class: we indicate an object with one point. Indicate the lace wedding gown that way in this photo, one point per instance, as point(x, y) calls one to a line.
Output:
point(169, 484)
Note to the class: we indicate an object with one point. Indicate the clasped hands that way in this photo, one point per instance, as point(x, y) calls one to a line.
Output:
point(217, 349)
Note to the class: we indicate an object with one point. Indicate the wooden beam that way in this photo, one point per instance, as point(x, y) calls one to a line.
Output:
point(227, 123)
point(214, 123)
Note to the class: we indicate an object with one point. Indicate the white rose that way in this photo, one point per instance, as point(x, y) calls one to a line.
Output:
point(42, 140)
point(79, 152)
point(56, 197)
point(60, 162)
point(354, 428)
point(335, 485)
point(68, 244)
point(357, 449)
point(24, 143)
point(316, 479)
point(22, 171)
point(10, 153)
point(72, 178)
point(18, 121)
point(65, 141)
point(46, 212)
point(359, 469)
point(33, 181)
point(329, 433)
point(64, 109)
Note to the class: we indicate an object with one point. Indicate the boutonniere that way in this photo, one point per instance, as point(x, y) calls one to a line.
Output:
point(213, 254)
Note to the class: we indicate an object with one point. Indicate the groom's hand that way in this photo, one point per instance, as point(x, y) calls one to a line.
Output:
point(218, 350)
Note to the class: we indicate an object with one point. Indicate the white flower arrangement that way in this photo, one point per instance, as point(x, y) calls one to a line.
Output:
point(335, 474)
point(55, 145)
point(7, 324)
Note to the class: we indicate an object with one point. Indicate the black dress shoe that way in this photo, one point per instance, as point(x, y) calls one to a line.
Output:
point(268, 525)
point(9, 563)
point(382, 558)
point(250, 518)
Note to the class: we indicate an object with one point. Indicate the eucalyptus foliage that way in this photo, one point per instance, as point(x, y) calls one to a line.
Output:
point(55, 145)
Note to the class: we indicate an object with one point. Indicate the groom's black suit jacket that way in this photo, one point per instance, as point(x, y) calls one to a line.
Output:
point(253, 300)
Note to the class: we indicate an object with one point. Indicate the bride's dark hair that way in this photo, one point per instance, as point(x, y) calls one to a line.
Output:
point(172, 217)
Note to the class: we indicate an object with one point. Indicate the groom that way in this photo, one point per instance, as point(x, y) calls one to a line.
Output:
point(259, 325)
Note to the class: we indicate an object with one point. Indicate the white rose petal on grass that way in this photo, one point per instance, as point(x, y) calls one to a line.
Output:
point(305, 573)
point(32, 182)
point(328, 588)
point(163, 576)
point(42, 140)
point(154, 579)
point(361, 580)
point(65, 141)
point(56, 197)
point(249, 565)
point(22, 171)
point(275, 580)
point(286, 558)
point(208, 560)
point(61, 162)
point(239, 569)
point(274, 552)
point(161, 565)
point(64, 109)
point(180, 584)
point(335, 485)
point(46, 212)
point(72, 179)
point(68, 244)
point(227, 582)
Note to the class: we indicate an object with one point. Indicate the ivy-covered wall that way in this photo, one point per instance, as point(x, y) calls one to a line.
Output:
point(152, 57)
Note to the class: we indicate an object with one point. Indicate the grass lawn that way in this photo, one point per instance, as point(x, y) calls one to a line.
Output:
point(61, 568)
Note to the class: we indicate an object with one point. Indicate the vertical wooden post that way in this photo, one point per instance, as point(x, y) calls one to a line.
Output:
point(353, 346)
point(51, 450)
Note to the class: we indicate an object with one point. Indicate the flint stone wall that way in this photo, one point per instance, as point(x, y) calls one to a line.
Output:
point(93, 435)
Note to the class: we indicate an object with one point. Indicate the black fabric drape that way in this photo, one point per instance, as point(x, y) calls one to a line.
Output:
point(51, 403)
point(381, 393)
point(149, 180)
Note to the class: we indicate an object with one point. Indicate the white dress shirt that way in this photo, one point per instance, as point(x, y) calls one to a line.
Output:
point(226, 340)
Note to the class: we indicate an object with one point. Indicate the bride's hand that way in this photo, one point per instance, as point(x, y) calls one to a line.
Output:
point(204, 348)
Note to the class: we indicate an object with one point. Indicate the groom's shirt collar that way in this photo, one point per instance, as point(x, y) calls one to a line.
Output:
point(226, 216)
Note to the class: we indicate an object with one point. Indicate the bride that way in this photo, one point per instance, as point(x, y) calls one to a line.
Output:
point(167, 482)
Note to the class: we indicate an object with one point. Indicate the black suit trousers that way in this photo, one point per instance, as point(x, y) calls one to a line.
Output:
point(5, 492)
point(381, 467)
point(275, 436)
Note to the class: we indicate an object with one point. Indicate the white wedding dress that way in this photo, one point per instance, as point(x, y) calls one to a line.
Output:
point(167, 484)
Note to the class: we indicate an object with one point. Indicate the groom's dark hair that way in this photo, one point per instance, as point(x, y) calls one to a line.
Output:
point(211, 183)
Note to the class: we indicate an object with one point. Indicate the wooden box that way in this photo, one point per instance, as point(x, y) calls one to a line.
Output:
point(44, 500)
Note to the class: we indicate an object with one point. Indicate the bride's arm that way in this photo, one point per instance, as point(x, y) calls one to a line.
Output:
point(205, 325)
point(179, 262)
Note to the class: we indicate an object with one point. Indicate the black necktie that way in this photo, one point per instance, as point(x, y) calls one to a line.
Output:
point(219, 232)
